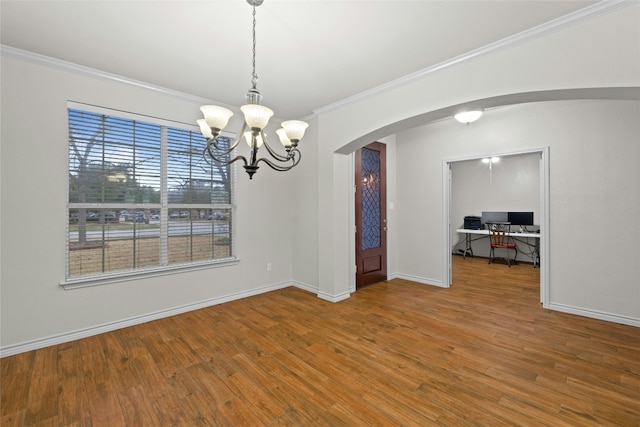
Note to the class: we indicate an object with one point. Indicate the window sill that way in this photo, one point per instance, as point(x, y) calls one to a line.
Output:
point(105, 279)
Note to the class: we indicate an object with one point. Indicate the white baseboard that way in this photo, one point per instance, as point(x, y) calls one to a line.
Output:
point(136, 320)
point(322, 295)
point(417, 279)
point(305, 287)
point(595, 314)
point(333, 298)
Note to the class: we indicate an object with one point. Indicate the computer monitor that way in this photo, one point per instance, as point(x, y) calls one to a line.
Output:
point(494, 217)
point(520, 218)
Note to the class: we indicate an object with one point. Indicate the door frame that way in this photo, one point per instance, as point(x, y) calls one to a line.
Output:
point(380, 147)
point(351, 215)
point(352, 223)
point(544, 216)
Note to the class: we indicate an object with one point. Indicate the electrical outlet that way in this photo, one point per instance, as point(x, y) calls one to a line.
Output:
point(269, 266)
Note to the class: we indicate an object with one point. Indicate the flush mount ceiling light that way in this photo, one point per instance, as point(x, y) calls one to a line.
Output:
point(467, 117)
point(256, 118)
point(491, 160)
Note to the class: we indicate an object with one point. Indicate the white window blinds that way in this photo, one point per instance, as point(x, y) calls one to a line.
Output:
point(142, 197)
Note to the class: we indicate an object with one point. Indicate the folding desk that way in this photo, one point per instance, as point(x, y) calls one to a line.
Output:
point(523, 238)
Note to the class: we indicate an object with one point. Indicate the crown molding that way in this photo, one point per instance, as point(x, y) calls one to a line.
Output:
point(590, 12)
point(12, 52)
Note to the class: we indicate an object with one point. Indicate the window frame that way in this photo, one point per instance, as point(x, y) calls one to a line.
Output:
point(164, 207)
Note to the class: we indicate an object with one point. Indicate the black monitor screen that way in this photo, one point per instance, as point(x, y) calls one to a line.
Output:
point(493, 217)
point(521, 218)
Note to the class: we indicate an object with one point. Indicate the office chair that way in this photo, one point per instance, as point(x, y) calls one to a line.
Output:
point(499, 239)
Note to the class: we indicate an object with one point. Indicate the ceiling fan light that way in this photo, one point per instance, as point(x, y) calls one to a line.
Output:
point(256, 116)
point(294, 129)
point(467, 117)
point(216, 117)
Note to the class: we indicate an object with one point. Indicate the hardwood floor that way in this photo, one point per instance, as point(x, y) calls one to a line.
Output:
point(482, 353)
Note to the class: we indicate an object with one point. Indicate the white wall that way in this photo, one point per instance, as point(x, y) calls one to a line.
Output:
point(392, 219)
point(512, 184)
point(304, 226)
point(304, 229)
point(33, 221)
point(600, 52)
point(594, 182)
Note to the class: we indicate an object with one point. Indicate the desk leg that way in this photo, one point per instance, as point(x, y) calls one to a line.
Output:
point(467, 249)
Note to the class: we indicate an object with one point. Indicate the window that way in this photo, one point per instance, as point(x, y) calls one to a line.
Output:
point(141, 197)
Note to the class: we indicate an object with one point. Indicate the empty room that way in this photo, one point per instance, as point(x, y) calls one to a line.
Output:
point(251, 212)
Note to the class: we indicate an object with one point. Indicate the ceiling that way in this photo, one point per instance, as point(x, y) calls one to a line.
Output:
point(310, 53)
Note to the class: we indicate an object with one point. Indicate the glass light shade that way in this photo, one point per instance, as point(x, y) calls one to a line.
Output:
point(294, 129)
point(468, 116)
point(205, 128)
point(216, 117)
point(247, 137)
point(256, 116)
point(283, 137)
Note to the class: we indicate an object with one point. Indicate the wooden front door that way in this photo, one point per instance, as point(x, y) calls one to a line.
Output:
point(371, 214)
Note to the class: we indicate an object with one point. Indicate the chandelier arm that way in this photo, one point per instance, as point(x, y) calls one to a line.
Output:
point(296, 155)
point(214, 142)
point(275, 166)
point(219, 161)
point(222, 152)
point(218, 118)
point(221, 158)
point(294, 159)
point(272, 152)
point(244, 160)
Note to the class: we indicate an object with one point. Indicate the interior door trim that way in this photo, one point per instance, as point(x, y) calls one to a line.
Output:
point(544, 214)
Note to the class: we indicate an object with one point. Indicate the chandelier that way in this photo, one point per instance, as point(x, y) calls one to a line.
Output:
point(256, 118)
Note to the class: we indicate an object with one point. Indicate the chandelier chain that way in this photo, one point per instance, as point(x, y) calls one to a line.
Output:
point(254, 76)
point(220, 151)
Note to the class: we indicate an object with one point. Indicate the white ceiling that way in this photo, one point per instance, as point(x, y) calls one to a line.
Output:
point(310, 53)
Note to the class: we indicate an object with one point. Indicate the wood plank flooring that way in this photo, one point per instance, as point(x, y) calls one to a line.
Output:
point(481, 353)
